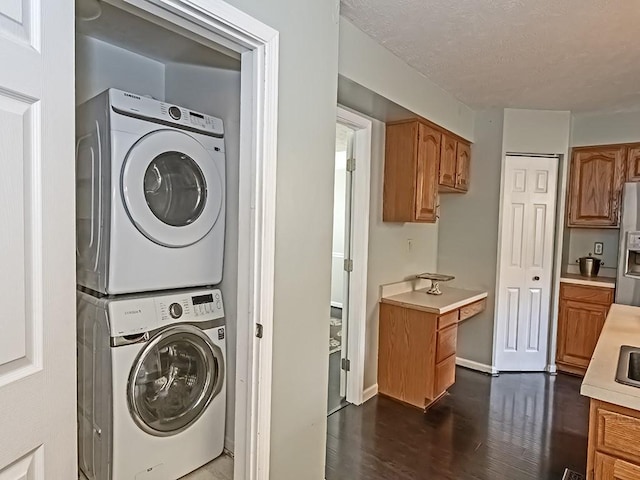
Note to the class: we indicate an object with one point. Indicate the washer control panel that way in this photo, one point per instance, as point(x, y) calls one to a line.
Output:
point(194, 306)
point(144, 313)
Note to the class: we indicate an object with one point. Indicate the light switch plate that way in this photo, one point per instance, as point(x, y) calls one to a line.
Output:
point(598, 248)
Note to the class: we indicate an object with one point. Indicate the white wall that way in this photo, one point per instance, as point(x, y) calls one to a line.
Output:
point(581, 242)
point(100, 66)
point(536, 131)
point(369, 64)
point(390, 258)
point(592, 129)
point(308, 76)
point(468, 234)
point(217, 92)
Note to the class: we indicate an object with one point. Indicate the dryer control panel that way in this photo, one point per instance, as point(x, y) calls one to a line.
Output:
point(153, 110)
point(140, 314)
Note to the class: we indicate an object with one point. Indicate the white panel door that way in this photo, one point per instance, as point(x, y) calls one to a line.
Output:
point(526, 263)
point(37, 241)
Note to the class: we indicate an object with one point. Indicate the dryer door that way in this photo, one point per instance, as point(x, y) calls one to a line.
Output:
point(173, 380)
point(171, 187)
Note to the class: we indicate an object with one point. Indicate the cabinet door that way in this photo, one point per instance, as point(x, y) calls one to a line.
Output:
point(428, 158)
point(596, 179)
point(448, 162)
point(579, 328)
point(611, 468)
point(406, 354)
point(463, 161)
point(633, 164)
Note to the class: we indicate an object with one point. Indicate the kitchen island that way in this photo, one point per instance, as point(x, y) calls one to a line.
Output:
point(418, 338)
point(614, 420)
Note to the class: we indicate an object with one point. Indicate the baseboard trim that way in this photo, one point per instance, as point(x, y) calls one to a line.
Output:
point(552, 369)
point(480, 367)
point(369, 393)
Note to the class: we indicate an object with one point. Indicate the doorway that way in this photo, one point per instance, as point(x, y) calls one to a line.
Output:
point(525, 262)
point(222, 63)
point(348, 309)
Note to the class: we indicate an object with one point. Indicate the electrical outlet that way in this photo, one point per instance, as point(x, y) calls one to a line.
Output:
point(598, 248)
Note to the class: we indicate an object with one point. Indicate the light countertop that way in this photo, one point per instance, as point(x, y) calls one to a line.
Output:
point(606, 282)
point(622, 327)
point(451, 299)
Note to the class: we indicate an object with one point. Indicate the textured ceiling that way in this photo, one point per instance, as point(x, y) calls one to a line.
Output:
point(580, 55)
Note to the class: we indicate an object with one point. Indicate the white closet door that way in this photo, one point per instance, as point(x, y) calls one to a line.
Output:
point(526, 263)
point(37, 241)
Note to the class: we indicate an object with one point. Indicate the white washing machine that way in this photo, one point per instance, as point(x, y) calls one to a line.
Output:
point(151, 384)
point(150, 208)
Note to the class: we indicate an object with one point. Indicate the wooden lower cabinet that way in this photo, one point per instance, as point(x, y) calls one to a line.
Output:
point(417, 353)
point(614, 442)
point(611, 468)
point(583, 311)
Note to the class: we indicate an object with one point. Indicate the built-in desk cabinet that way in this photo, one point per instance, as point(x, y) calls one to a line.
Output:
point(583, 311)
point(417, 352)
point(421, 159)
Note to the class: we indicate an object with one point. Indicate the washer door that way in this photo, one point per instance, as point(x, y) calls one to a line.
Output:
point(173, 380)
point(172, 188)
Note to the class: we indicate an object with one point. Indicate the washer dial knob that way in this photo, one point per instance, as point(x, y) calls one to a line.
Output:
point(175, 310)
point(175, 113)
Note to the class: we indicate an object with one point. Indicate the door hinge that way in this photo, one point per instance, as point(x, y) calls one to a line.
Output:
point(351, 164)
point(259, 330)
point(348, 265)
point(345, 365)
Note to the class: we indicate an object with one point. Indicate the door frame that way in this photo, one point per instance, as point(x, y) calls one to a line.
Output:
point(356, 336)
point(257, 46)
point(555, 255)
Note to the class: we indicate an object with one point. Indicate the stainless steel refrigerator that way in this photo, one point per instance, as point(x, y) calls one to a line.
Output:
point(628, 277)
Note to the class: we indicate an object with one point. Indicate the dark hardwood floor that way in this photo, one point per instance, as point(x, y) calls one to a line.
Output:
point(512, 427)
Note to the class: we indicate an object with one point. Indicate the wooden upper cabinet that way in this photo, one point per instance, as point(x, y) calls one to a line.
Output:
point(419, 157)
point(463, 161)
point(429, 142)
point(596, 178)
point(448, 162)
point(633, 164)
point(412, 156)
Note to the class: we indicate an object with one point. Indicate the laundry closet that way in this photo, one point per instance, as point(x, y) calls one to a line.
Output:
point(142, 56)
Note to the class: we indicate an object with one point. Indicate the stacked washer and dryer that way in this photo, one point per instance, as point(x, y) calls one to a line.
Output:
point(151, 327)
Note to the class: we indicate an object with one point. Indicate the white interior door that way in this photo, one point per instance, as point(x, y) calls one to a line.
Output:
point(526, 263)
point(37, 241)
point(348, 266)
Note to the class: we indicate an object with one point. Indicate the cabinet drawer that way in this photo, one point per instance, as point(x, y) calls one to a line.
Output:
point(448, 319)
point(447, 341)
point(582, 293)
point(472, 309)
point(618, 434)
point(445, 375)
point(611, 468)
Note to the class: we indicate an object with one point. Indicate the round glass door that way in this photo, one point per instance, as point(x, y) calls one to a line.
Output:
point(175, 189)
point(172, 188)
point(173, 380)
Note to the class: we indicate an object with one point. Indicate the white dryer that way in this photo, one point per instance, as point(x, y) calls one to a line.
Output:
point(150, 195)
point(151, 384)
